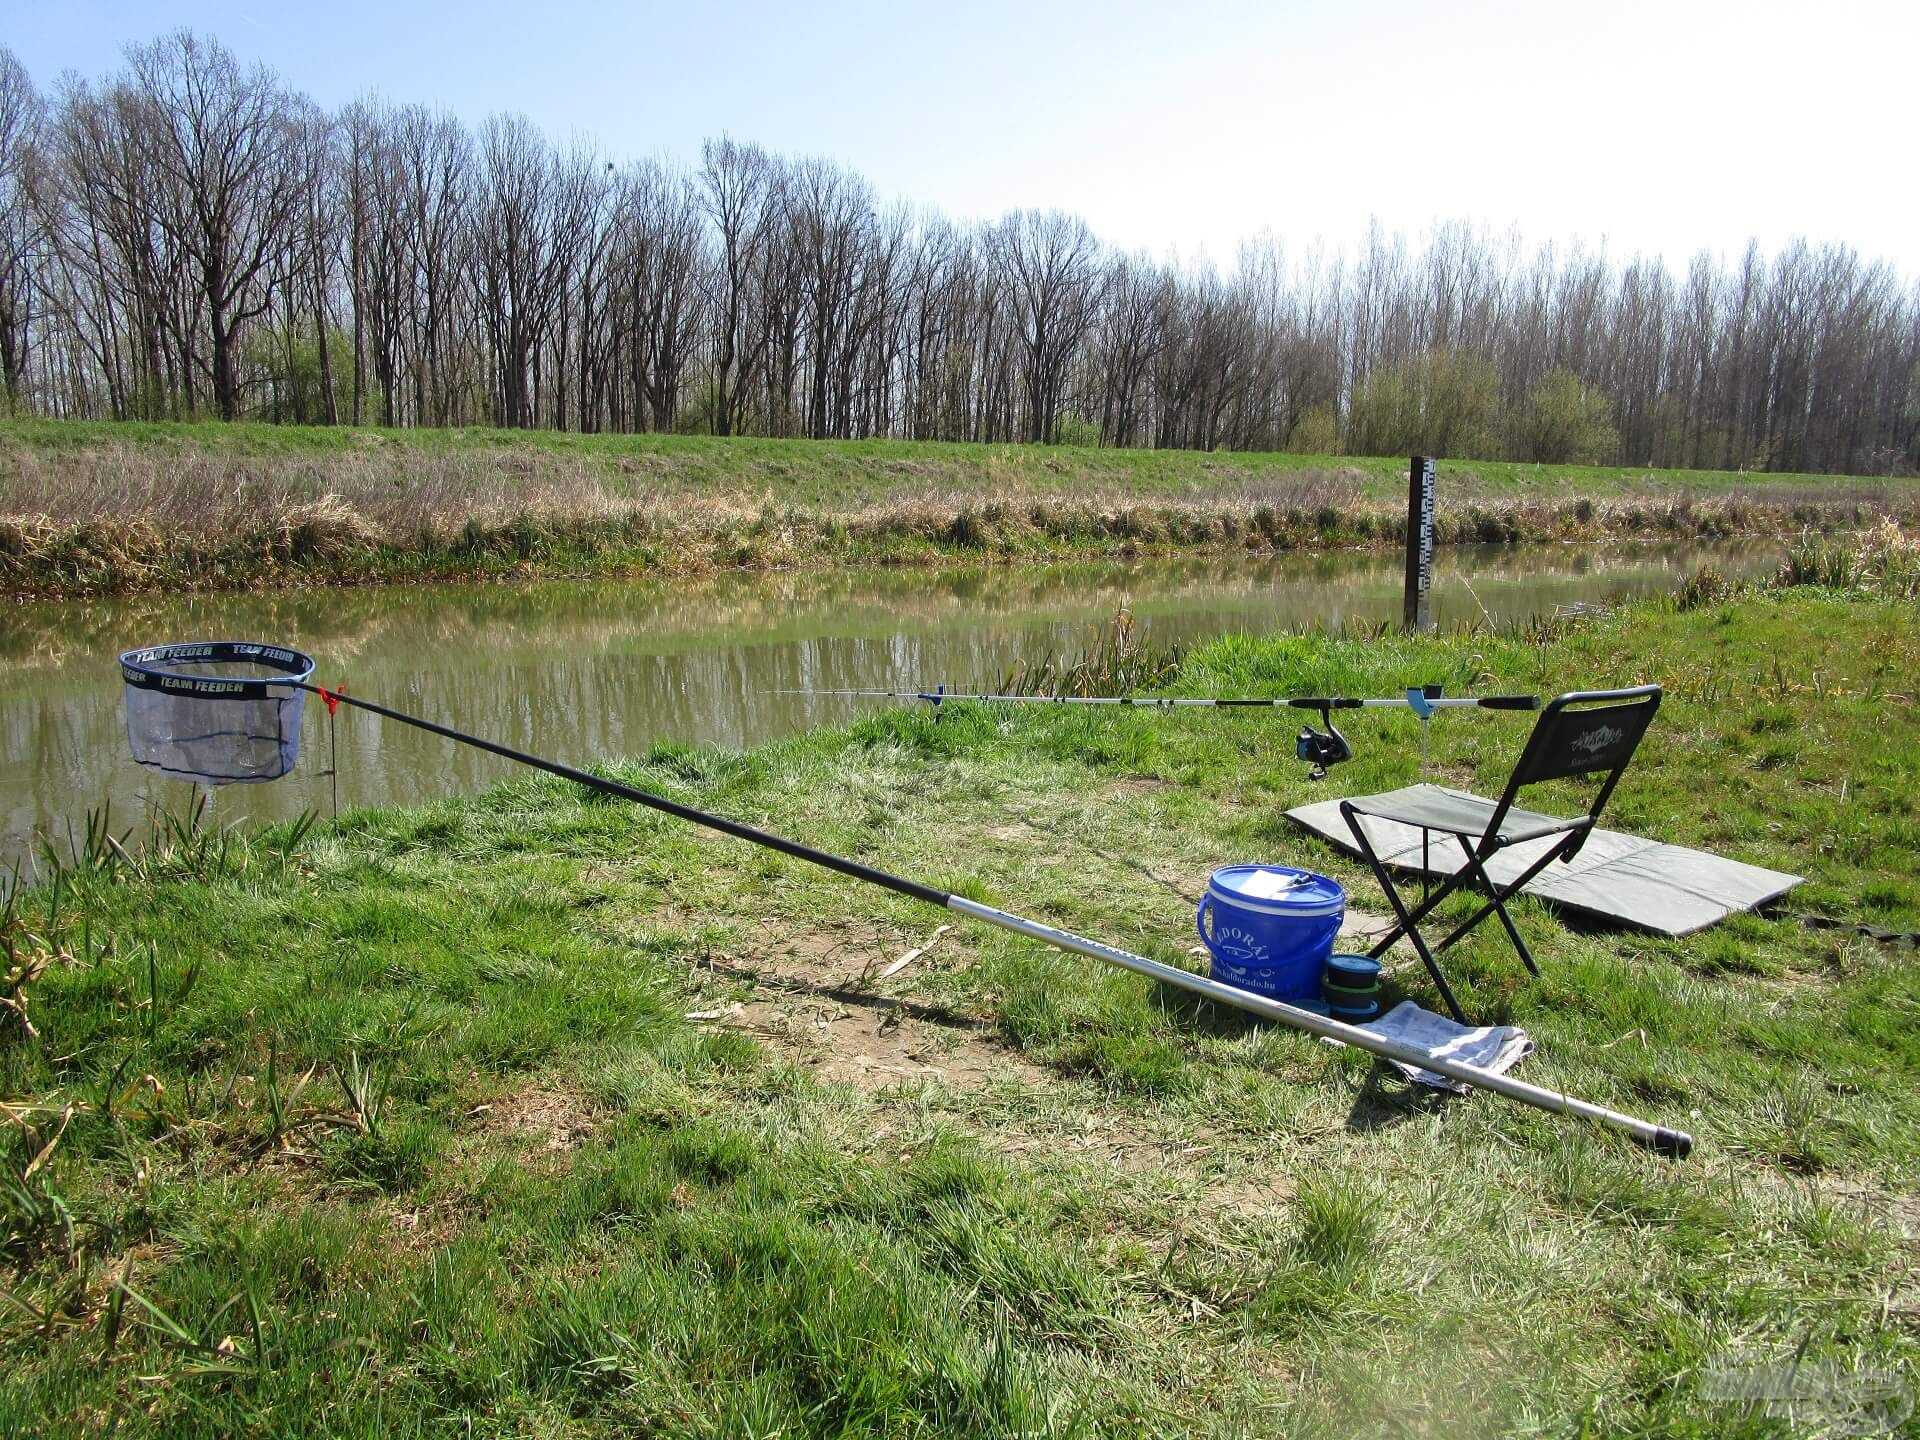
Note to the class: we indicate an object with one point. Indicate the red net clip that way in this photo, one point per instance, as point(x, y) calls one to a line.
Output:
point(332, 699)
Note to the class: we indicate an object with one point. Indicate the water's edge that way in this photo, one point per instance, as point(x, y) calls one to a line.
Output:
point(589, 670)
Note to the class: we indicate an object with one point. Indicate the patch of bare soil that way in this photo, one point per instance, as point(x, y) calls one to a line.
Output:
point(875, 1043)
point(1019, 834)
point(1904, 1298)
point(1037, 830)
point(821, 998)
point(1364, 925)
point(424, 1227)
point(540, 1117)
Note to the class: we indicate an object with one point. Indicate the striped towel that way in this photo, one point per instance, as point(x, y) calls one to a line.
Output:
point(1491, 1047)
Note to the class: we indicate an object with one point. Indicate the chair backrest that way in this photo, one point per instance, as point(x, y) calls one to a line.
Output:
point(1586, 732)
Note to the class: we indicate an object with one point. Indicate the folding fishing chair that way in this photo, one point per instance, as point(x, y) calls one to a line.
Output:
point(1586, 733)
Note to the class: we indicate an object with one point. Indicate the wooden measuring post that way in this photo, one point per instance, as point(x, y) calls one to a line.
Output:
point(1419, 605)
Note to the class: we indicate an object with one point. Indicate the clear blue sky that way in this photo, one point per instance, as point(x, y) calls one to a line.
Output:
point(1657, 125)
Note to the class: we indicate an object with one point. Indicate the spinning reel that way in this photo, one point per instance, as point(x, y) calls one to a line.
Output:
point(1322, 751)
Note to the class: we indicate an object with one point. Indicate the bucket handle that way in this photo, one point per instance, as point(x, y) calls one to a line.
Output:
point(1200, 918)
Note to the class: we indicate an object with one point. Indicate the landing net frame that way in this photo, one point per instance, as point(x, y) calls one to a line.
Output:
point(216, 712)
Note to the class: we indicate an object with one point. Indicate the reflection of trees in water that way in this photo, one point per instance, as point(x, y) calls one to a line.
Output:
point(350, 623)
point(587, 671)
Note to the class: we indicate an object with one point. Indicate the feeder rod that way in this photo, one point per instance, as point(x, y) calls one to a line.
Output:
point(1672, 1143)
point(1167, 702)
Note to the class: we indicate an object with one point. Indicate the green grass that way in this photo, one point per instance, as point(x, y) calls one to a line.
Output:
point(851, 473)
point(439, 1121)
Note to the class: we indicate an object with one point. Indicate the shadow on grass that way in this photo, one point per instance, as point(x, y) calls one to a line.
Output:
point(853, 995)
point(1387, 1099)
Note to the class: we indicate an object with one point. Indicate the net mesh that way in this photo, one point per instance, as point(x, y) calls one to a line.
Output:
point(221, 712)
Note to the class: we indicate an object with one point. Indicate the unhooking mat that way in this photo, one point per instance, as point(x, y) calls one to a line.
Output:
point(1668, 889)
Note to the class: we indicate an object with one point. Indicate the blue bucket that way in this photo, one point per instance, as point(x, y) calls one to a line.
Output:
point(1270, 928)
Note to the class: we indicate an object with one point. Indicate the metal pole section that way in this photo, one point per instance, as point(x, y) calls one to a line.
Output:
point(1168, 702)
point(1675, 1143)
point(1420, 486)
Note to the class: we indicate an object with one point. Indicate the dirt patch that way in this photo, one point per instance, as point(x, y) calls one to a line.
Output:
point(1906, 1209)
point(814, 996)
point(1046, 834)
point(1364, 925)
point(418, 1228)
point(543, 1118)
point(818, 998)
point(875, 1042)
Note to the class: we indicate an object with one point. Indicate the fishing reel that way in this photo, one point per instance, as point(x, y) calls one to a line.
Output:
point(1322, 750)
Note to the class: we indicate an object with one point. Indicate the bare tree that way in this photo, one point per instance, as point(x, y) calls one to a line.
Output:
point(736, 185)
point(21, 239)
point(188, 235)
point(656, 289)
point(515, 237)
point(224, 147)
point(1051, 263)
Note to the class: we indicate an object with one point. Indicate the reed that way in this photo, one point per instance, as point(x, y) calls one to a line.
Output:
point(1884, 562)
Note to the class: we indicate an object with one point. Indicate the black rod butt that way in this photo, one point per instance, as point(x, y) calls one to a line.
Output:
point(1674, 1144)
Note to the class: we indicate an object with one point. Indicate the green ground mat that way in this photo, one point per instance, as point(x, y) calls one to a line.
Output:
point(1668, 889)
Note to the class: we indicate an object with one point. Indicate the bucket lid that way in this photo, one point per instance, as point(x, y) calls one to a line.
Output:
point(1280, 889)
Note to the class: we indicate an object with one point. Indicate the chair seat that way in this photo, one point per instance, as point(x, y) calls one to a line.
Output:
point(1456, 812)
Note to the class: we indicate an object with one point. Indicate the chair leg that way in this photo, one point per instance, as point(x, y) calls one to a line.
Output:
point(1428, 901)
point(1496, 904)
point(1407, 919)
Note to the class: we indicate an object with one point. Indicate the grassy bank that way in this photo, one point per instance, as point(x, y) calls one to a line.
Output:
point(89, 508)
point(531, 1113)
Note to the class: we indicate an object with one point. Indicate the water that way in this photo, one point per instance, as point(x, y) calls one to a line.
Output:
point(591, 670)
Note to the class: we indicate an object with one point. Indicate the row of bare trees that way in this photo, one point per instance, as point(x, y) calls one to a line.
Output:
point(189, 237)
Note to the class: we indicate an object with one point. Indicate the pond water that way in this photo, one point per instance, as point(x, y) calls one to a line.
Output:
point(588, 671)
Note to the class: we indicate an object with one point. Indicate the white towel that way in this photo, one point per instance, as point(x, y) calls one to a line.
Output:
point(1490, 1047)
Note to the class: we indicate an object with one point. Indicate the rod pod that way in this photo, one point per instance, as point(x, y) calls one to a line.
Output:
point(1675, 1144)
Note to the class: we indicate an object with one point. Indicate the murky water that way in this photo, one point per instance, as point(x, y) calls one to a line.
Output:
point(588, 671)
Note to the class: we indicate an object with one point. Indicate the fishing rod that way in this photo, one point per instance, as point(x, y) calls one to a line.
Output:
point(1415, 699)
point(1672, 1143)
point(1320, 750)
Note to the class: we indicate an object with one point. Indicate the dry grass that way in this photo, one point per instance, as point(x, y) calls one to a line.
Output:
point(128, 517)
